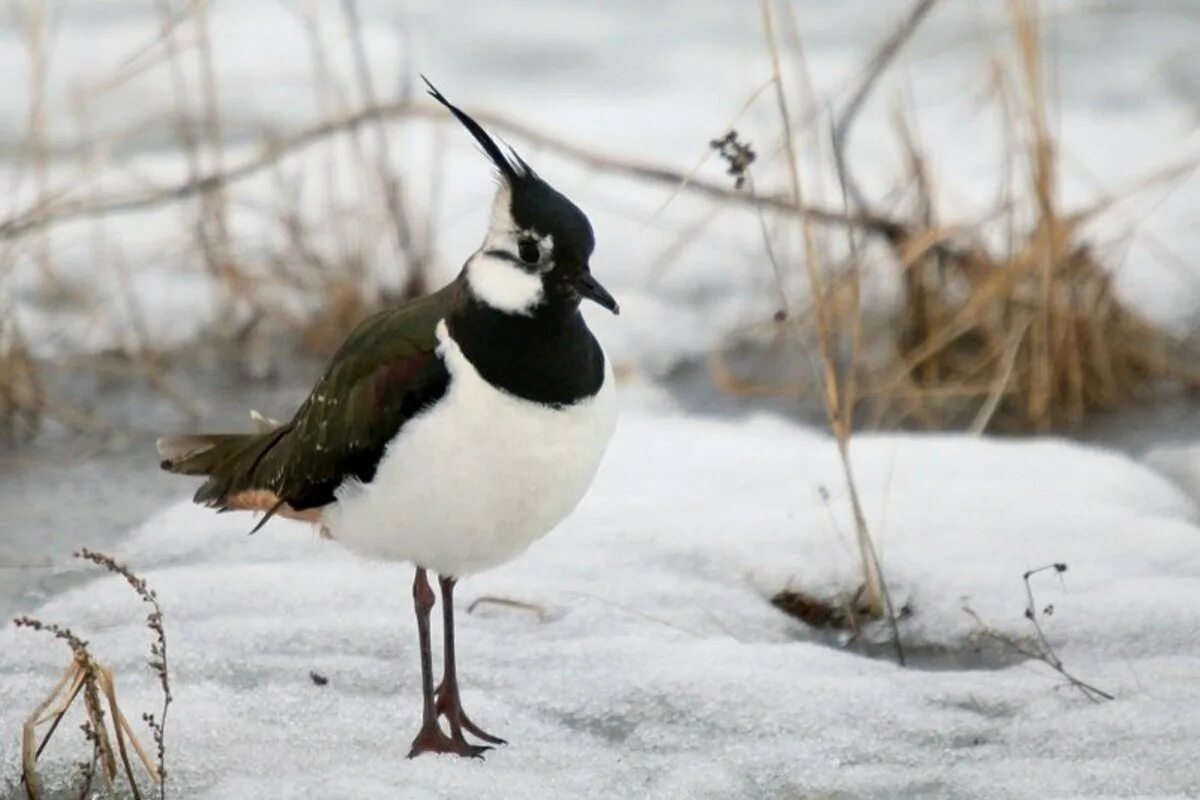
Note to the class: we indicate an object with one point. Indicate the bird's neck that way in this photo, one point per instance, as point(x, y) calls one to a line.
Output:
point(548, 356)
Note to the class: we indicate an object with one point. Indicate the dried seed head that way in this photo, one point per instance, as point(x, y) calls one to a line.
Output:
point(737, 155)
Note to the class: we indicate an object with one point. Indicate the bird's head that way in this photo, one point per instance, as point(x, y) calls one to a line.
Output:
point(538, 242)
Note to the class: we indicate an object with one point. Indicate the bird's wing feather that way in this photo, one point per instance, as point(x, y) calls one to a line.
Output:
point(384, 374)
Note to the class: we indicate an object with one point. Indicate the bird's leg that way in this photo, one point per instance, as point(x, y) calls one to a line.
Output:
point(449, 702)
point(431, 738)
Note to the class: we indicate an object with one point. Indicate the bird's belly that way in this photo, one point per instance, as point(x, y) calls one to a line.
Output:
point(473, 481)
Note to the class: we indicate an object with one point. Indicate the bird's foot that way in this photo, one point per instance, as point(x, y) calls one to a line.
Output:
point(431, 739)
point(449, 705)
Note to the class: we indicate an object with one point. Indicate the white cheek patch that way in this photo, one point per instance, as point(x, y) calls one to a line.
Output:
point(498, 280)
point(503, 285)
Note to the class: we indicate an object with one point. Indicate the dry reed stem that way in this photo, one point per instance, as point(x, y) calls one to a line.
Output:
point(119, 729)
point(876, 67)
point(838, 389)
point(524, 605)
point(96, 682)
point(59, 206)
point(86, 676)
point(29, 752)
point(84, 667)
point(21, 394)
point(1038, 647)
point(953, 364)
point(125, 730)
point(32, 15)
point(406, 249)
point(158, 664)
point(689, 176)
point(210, 227)
point(146, 57)
point(1027, 336)
point(218, 206)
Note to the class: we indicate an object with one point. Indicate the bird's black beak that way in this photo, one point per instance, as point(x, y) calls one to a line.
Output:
point(590, 288)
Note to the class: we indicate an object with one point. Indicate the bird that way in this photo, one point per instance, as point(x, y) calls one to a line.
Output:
point(450, 431)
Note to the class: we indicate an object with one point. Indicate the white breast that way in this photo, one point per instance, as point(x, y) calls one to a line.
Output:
point(476, 479)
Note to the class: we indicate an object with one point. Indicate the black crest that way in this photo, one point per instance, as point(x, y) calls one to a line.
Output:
point(511, 166)
point(537, 207)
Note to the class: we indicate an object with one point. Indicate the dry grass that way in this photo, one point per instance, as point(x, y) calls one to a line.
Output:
point(834, 334)
point(315, 281)
point(1010, 324)
point(93, 681)
point(1027, 335)
point(107, 731)
point(1037, 647)
point(20, 387)
point(1018, 332)
point(842, 614)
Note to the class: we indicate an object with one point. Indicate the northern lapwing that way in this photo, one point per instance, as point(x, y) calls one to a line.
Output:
point(451, 431)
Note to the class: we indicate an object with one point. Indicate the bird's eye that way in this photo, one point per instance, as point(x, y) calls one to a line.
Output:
point(527, 249)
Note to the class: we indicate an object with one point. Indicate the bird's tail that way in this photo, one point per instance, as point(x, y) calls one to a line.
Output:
point(227, 459)
point(230, 461)
point(202, 453)
point(240, 476)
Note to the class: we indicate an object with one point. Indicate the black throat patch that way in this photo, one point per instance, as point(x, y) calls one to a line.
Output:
point(550, 358)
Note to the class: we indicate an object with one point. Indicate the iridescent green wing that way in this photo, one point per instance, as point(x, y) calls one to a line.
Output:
point(383, 375)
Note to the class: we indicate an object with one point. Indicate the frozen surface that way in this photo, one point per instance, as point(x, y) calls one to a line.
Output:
point(1180, 462)
point(660, 669)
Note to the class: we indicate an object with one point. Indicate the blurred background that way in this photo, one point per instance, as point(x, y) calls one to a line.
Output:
point(962, 215)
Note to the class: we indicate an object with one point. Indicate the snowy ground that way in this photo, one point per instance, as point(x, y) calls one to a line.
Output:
point(660, 669)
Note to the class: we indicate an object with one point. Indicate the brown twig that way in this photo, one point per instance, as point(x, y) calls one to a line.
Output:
point(879, 62)
point(158, 658)
point(32, 17)
point(393, 192)
point(1040, 649)
point(95, 682)
point(58, 207)
point(508, 602)
point(209, 223)
point(838, 390)
point(84, 668)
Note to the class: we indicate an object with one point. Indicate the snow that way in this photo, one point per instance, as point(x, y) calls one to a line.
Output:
point(1180, 462)
point(659, 668)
